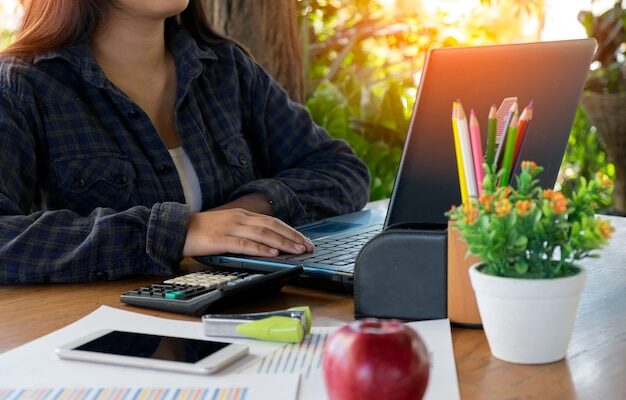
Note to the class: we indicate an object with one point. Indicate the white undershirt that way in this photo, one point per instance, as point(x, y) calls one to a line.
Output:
point(188, 179)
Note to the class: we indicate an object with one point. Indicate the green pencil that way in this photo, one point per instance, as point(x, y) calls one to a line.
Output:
point(507, 161)
point(491, 135)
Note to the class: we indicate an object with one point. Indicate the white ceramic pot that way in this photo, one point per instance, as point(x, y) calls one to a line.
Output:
point(527, 321)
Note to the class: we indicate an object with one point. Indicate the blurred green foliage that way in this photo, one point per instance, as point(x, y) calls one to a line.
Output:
point(584, 156)
point(9, 14)
point(363, 64)
point(374, 138)
point(5, 38)
point(360, 64)
point(609, 30)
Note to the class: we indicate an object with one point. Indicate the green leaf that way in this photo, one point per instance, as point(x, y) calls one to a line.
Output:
point(521, 267)
point(521, 242)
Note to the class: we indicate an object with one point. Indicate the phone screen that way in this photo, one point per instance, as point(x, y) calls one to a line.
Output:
point(152, 346)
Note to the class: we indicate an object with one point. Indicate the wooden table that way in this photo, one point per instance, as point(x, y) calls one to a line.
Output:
point(595, 367)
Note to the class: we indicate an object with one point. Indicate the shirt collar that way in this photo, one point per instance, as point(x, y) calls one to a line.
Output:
point(184, 47)
point(79, 56)
point(188, 56)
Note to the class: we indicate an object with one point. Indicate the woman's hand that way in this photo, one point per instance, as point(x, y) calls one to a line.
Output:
point(241, 232)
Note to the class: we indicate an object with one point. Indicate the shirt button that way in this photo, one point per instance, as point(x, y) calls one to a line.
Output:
point(165, 169)
point(121, 179)
point(134, 114)
point(79, 183)
point(242, 159)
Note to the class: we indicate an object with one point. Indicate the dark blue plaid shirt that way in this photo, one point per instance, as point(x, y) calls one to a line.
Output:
point(88, 190)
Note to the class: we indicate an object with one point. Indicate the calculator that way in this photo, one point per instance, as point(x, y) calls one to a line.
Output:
point(198, 292)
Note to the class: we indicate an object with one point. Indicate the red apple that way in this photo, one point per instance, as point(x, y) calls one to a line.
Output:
point(375, 359)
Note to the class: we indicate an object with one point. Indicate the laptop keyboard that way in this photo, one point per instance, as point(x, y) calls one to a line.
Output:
point(339, 251)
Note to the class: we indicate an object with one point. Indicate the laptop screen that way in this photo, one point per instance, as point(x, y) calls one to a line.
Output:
point(552, 74)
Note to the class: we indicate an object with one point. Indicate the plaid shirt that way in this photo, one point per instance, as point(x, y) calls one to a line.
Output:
point(88, 190)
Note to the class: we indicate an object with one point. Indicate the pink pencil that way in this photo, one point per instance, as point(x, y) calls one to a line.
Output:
point(477, 150)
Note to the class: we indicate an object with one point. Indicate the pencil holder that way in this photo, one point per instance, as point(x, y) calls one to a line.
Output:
point(462, 307)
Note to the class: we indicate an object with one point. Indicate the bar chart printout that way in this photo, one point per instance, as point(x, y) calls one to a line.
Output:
point(236, 393)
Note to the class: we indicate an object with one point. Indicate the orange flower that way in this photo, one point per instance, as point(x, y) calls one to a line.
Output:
point(523, 207)
point(506, 191)
point(531, 165)
point(503, 207)
point(605, 229)
point(486, 200)
point(558, 203)
point(548, 194)
point(470, 213)
point(605, 181)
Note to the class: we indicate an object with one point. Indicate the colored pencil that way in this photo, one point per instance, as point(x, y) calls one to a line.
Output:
point(505, 130)
point(507, 161)
point(477, 151)
point(522, 126)
point(459, 156)
point(466, 151)
point(491, 135)
point(504, 112)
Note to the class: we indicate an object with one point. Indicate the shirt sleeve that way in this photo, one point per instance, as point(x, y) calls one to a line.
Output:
point(312, 175)
point(61, 245)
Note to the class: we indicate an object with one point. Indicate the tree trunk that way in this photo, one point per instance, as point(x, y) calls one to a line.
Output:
point(268, 28)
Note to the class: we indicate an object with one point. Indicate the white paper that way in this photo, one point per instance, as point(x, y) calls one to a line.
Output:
point(442, 382)
point(35, 365)
point(306, 359)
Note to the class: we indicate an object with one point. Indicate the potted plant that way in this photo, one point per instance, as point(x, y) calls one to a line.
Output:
point(528, 284)
point(604, 97)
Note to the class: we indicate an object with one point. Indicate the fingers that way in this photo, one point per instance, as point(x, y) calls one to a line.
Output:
point(267, 236)
point(279, 234)
point(239, 245)
point(242, 232)
point(269, 231)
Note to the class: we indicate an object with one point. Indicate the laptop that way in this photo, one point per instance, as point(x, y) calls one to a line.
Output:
point(552, 74)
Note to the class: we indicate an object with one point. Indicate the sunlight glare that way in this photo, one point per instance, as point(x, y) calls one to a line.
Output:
point(389, 5)
point(10, 14)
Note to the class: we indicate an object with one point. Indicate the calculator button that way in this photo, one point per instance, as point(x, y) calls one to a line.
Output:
point(194, 292)
point(175, 295)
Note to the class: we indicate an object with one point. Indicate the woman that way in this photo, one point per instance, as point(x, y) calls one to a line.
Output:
point(132, 136)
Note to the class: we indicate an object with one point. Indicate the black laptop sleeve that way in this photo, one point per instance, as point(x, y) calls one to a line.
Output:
point(401, 273)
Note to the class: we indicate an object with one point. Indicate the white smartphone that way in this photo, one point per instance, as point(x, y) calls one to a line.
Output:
point(153, 351)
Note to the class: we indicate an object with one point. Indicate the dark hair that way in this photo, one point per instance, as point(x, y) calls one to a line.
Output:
point(194, 19)
point(52, 24)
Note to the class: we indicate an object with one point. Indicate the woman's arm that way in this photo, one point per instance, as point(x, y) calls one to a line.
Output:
point(38, 245)
point(65, 246)
point(311, 175)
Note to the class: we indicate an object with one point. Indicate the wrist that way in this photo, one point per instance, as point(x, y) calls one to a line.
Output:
point(256, 202)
